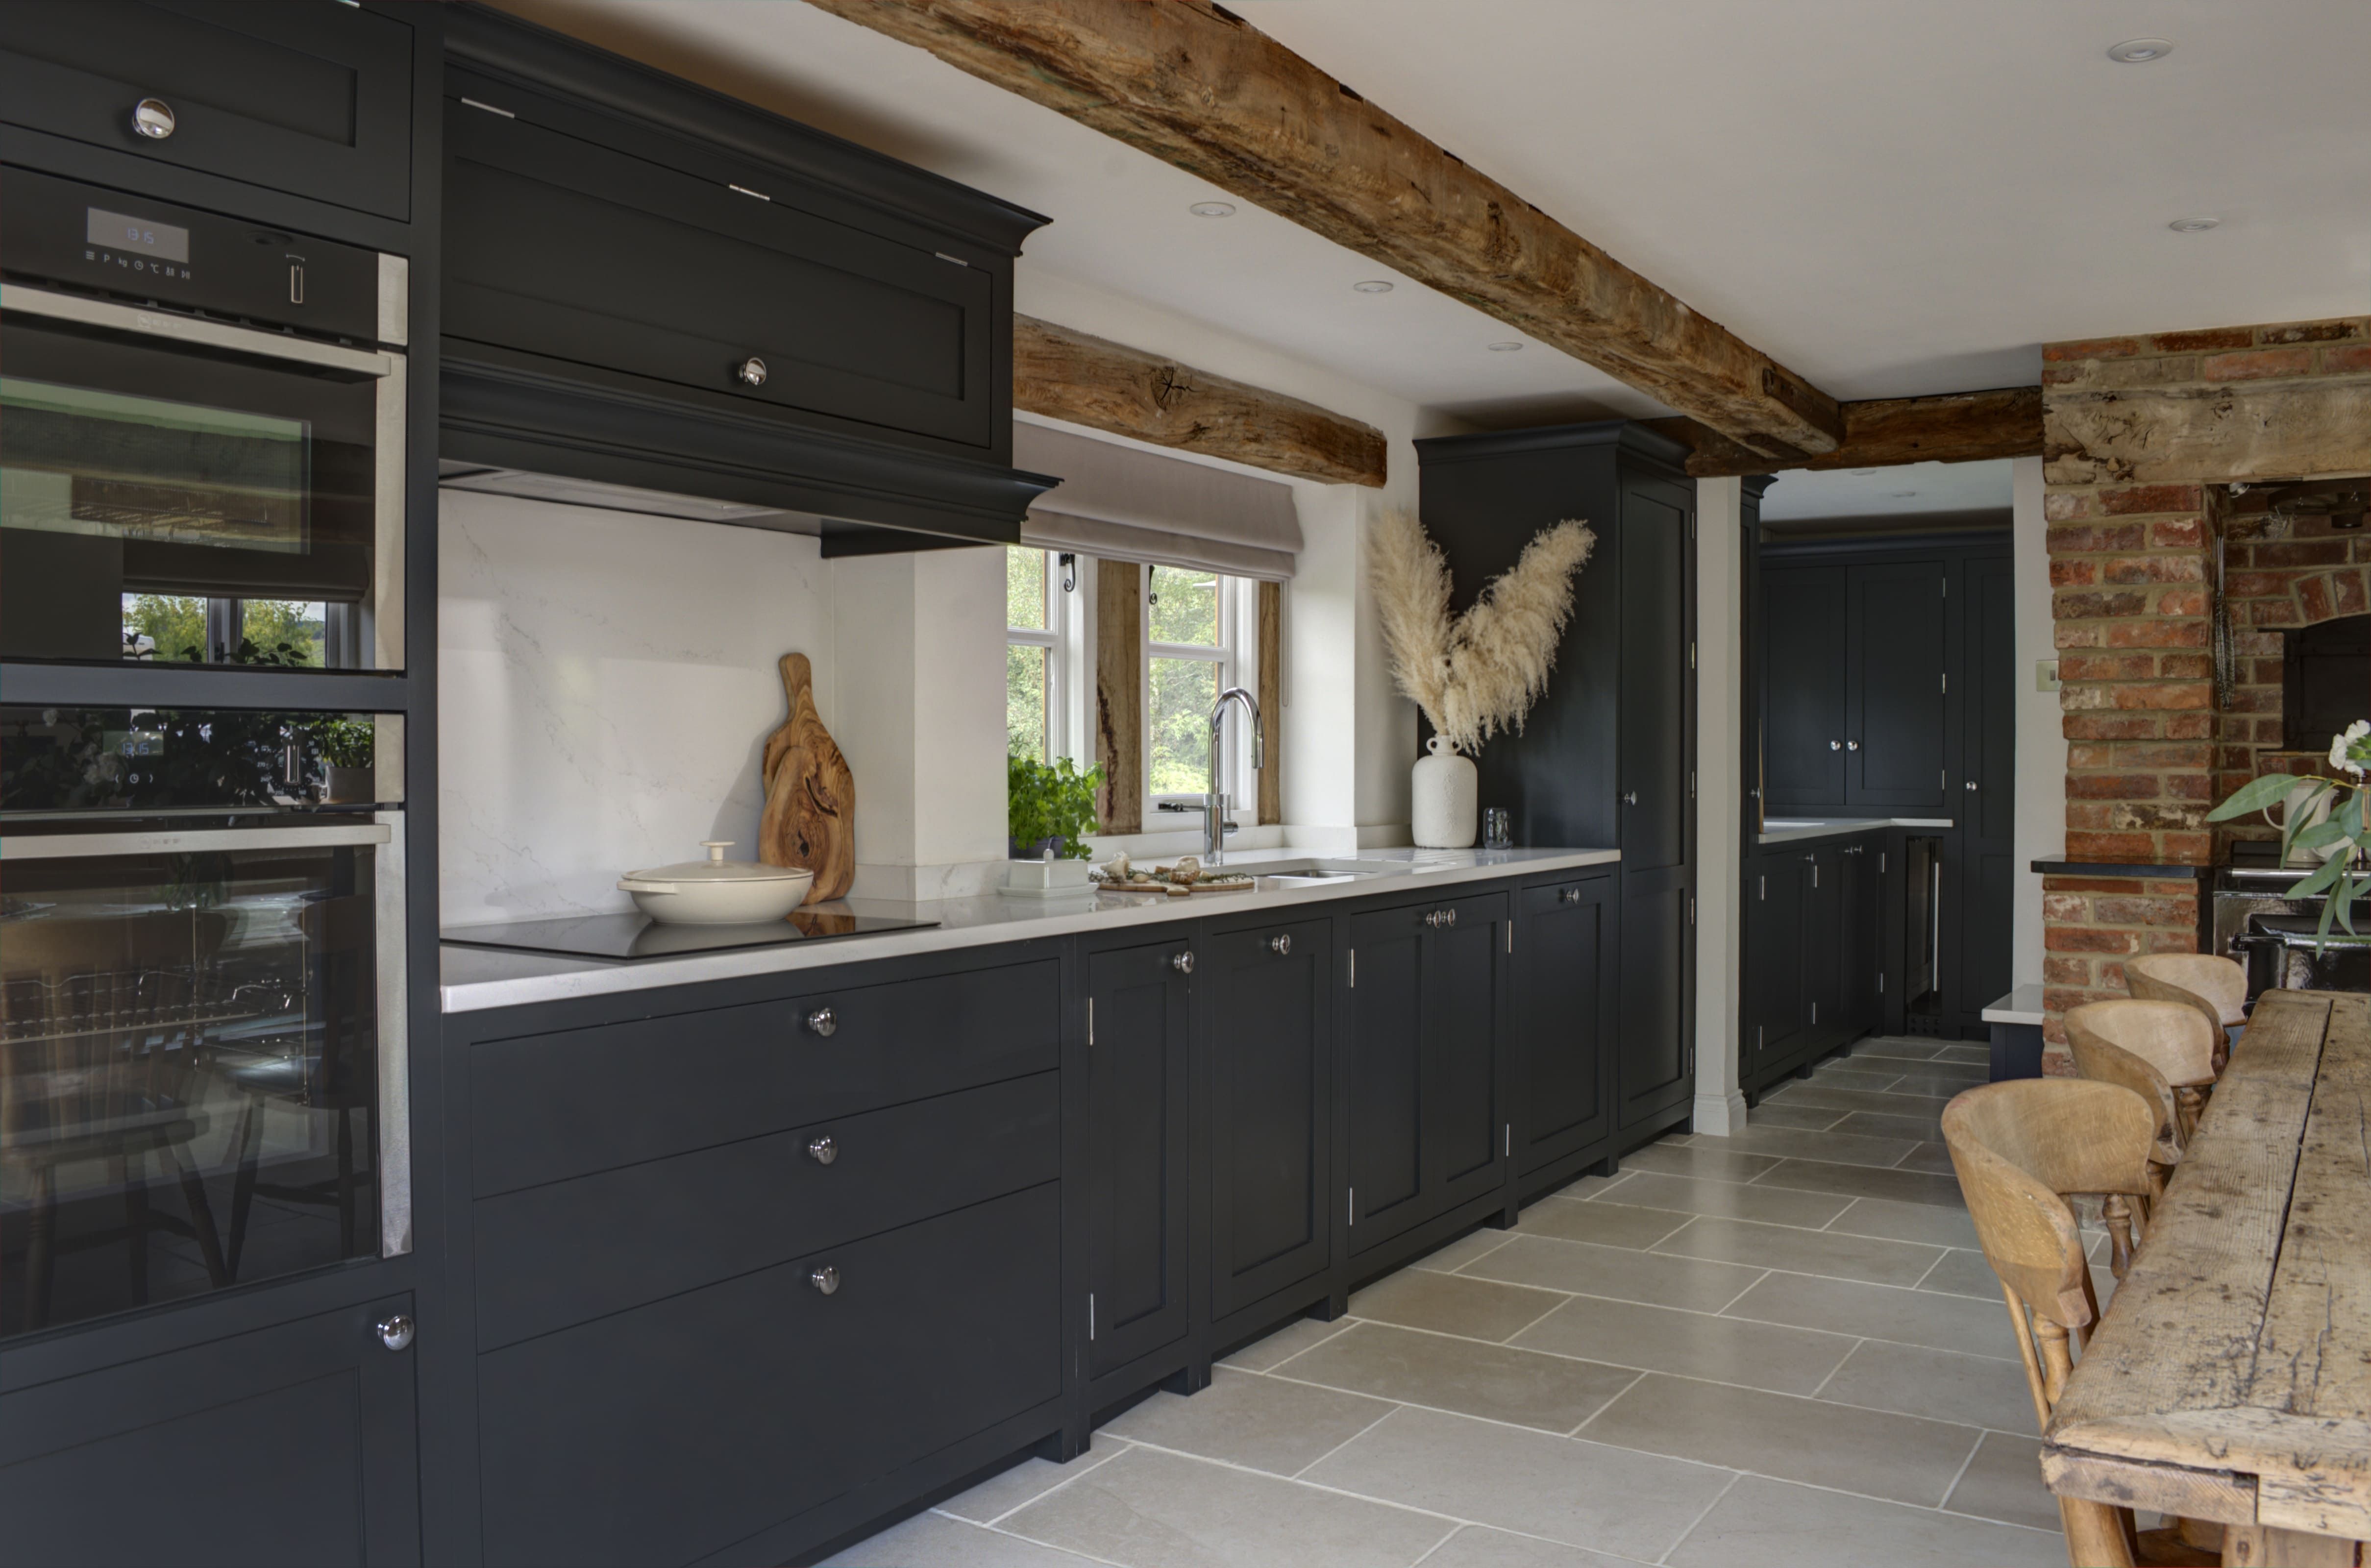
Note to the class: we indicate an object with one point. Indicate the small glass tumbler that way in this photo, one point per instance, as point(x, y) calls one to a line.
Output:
point(1497, 828)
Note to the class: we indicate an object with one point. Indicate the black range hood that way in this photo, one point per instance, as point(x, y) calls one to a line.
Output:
point(652, 291)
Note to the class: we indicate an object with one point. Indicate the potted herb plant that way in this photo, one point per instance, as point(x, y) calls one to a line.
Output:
point(344, 745)
point(1049, 806)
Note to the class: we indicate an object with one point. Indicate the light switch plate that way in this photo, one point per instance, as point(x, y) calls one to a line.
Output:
point(2045, 674)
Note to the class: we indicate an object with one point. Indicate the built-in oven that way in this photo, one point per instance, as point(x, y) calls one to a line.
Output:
point(202, 437)
point(203, 1058)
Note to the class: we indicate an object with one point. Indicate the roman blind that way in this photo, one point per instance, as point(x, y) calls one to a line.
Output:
point(1120, 503)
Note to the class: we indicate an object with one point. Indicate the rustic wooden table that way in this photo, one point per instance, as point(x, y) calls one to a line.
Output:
point(2230, 1380)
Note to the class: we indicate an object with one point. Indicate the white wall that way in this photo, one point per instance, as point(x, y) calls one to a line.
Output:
point(607, 682)
point(2041, 828)
point(1720, 765)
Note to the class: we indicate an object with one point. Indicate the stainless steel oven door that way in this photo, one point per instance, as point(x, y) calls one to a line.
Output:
point(184, 487)
point(203, 1061)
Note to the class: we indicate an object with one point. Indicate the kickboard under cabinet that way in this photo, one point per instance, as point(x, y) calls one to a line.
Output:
point(672, 1431)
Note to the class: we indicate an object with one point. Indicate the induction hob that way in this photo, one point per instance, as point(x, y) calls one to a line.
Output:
point(624, 937)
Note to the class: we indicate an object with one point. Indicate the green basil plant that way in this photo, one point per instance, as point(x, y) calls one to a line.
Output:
point(1056, 801)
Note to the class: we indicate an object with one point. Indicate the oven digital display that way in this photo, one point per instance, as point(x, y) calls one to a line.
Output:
point(119, 231)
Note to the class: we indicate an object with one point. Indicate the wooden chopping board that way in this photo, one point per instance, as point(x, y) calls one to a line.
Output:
point(810, 818)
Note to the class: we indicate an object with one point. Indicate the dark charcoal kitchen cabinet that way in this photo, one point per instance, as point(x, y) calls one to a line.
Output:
point(1607, 756)
point(292, 1444)
point(1266, 1080)
point(1810, 953)
point(1860, 893)
point(1853, 686)
point(1425, 1105)
point(1804, 680)
point(1563, 1010)
point(1987, 792)
point(1777, 999)
point(314, 100)
point(1138, 1058)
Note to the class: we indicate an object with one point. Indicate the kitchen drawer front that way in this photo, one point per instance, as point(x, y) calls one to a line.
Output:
point(547, 1256)
point(315, 100)
point(546, 1107)
point(672, 1431)
point(559, 246)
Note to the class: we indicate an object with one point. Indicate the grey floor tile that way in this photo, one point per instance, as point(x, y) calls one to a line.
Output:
point(1881, 1311)
point(1287, 1340)
point(1524, 1386)
point(1590, 1270)
point(1478, 1546)
point(1940, 1079)
point(1907, 1222)
point(1609, 1224)
point(1267, 1423)
point(1694, 1344)
point(1149, 1509)
point(1455, 1304)
point(1963, 1272)
point(1802, 1251)
point(1904, 1047)
point(1718, 1159)
point(1930, 1156)
point(2003, 1482)
point(1780, 1113)
point(1844, 1099)
point(1693, 1194)
point(1590, 1186)
point(1974, 1390)
point(1968, 1053)
point(1770, 1524)
point(1581, 1493)
point(934, 1541)
point(1864, 1182)
point(1463, 1251)
point(1027, 1481)
point(1872, 1077)
point(1876, 1453)
point(1838, 1148)
point(1884, 1125)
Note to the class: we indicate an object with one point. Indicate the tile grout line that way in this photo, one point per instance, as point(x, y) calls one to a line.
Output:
point(1124, 1445)
point(1073, 1551)
point(1609, 1404)
point(1820, 1392)
point(1700, 1519)
point(1961, 1474)
point(1396, 1406)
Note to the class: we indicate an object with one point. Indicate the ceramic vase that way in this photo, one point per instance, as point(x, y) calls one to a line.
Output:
point(1441, 799)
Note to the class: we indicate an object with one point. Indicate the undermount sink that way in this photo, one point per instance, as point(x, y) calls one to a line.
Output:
point(1311, 873)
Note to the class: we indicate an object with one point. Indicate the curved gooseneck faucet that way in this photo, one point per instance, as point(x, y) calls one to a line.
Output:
point(1214, 803)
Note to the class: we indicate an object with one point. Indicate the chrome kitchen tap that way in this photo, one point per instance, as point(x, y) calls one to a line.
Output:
point(1214, 804)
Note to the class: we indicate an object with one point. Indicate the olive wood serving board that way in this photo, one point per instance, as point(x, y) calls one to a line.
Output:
point(810, 818)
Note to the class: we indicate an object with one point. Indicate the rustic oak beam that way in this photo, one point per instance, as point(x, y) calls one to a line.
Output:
point(1957, 427)
point(1195, 86)
point(1110, 386)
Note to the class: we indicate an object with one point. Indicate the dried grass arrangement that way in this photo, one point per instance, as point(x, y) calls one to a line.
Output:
point(1476, 673)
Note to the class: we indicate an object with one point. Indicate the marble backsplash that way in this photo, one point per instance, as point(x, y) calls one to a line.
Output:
point(606, 681)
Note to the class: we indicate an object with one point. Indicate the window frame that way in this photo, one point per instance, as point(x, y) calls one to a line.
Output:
point(1055, 638)
point(1236, 657)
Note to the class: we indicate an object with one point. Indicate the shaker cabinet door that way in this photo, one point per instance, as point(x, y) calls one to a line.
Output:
point(1139, 1007)
point(1563, 999)
point(1267, 1033)
point(1657, 1070)
point(1803, 723)
point(1383, 1059)
point(1899, 633)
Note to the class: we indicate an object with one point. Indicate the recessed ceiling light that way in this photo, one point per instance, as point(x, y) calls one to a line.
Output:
point(2140, 51)
point(1373, 285)
point(1504, 348)
point(1903, 495)
point(1212, 209)
point(2193, 226)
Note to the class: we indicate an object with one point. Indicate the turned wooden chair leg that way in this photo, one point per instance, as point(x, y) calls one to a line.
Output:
point(2098, 1534)
point(2116, 1213)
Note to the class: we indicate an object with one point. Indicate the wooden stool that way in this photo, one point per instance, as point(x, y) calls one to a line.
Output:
point(2102, 1060)
point(2173, 1037)
point(2218, 988)
point(2020, 1146)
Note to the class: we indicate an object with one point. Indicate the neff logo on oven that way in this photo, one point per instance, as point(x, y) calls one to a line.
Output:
point(133, 263)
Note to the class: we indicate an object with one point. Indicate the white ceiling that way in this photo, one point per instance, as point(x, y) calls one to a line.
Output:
point(1912, 489)
point(1892, 197)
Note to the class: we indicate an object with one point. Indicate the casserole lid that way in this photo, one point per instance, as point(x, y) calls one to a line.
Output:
point(717, 868)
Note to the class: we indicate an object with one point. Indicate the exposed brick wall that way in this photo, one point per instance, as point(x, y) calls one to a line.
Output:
point(2131, 569)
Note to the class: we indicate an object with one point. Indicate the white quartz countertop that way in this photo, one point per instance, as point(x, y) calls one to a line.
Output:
point(1786, 830)
point(2020, 1005)
point(472, 978)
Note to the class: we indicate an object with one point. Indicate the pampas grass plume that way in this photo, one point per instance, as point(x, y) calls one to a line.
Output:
point(1478, 673)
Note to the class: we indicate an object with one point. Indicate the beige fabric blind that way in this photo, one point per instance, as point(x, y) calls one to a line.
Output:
point(1119, 504)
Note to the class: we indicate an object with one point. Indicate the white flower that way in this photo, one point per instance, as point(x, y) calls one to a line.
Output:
point(2346, 755)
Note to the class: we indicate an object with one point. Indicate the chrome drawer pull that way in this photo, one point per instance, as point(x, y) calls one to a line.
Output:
point(826, 1280)
point(752, 371)
point(1183, 962)
point(395, 1332)
point(823, 1150)
point(1571, 896)
point(153, 119)
point(820, 1022)
point(1280, 945)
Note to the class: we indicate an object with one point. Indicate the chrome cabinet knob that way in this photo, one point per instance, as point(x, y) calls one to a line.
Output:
point(1570, 895)
point(395, 1331)
point(823, 1148)
point(1630, 797)
point(820, 1022)
point(1851, 745)
point(153, 119)
point(752, 372)
point(1441, 917)
point(826, 1280)
point(1835, 746)
point(1183, 962)
point(1280, 944)
point(1970, 786)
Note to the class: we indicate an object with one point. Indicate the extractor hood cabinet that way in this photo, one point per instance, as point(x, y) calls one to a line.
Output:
point(649, 285)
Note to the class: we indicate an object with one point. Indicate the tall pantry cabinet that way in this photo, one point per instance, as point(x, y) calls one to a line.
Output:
point(1608, 755)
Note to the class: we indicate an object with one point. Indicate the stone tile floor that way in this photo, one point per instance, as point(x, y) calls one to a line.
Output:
point(1779, 1348)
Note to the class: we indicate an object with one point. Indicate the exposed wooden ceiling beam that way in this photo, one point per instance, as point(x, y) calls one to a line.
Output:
point(1105, 385)
point(1957, 427)
point(1197, 87)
